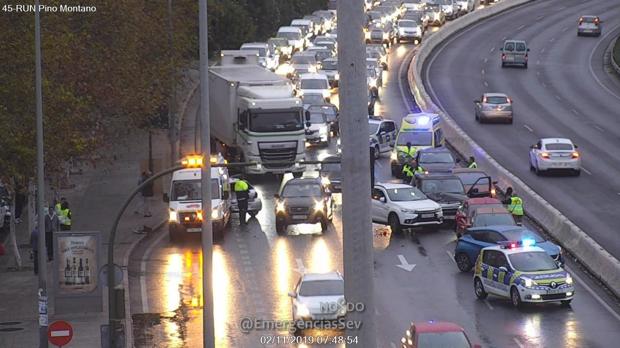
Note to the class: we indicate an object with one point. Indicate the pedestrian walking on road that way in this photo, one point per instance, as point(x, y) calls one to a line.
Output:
point(147, 192)
point(65, 216)
point(51, 226)
point(242, 192)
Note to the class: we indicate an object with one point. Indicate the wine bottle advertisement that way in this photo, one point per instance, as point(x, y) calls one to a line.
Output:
point(77, 264)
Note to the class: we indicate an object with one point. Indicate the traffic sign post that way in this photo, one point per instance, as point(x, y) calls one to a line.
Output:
point(60, 333)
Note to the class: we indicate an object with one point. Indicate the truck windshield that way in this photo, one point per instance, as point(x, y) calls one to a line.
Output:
point(275, 121)
point(415, 138)
point(189, 190)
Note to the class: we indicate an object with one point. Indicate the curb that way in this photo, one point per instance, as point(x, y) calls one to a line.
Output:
point(614, 63)
point(589, 253)
point(125, 266)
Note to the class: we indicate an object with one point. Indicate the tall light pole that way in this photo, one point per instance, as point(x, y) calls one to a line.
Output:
point(208, 332)
point(357, 236)
point(40, 183)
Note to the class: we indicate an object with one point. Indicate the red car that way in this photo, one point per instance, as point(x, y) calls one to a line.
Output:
point(436, 334)
point(467, 209)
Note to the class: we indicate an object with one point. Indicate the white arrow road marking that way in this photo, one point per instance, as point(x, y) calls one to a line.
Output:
point(300, 266)
point(404, 264)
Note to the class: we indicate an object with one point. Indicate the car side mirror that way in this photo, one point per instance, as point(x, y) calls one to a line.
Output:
point(382, 199)
point(292, 294)
point(166, 198)
point(503, 269)
point(476, 101)
point(576, 147)
point(528, 49)
point(458, 160)
point(276, 196)
point(501, 49)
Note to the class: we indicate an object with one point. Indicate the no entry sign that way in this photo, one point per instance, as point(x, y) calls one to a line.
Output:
point(60, 333)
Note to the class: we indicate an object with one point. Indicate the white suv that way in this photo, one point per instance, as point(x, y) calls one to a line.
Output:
point(319, 296)
point(404, 206)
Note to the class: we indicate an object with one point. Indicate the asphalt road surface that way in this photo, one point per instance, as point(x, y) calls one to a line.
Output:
point(566, 92)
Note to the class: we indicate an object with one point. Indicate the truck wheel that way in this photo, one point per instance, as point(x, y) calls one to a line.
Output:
point(280, 227)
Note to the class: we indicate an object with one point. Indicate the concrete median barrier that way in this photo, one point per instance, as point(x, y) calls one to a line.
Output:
point(592, 255)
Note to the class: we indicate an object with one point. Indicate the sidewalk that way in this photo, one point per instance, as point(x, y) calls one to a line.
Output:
point(94, 201)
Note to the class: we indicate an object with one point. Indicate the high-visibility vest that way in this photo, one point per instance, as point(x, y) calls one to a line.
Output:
point(64, 218)
point(516, 206)
point(241, 185)
point(409, 151)
point(57, 207)
point(419, 170)
point(473, 165)
point(407, 170)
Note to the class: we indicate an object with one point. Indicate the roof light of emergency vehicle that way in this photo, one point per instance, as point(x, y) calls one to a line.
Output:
point(199, 215)
point(423, 120)
point(528, 242)
point(192, 161)
point(575, 155)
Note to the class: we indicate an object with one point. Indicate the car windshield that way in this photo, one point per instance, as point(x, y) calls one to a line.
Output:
point(322, 288)
point(289, 35)
point(317, 118)
point(327, 110)
point(189, 190)
point(407, 24)
point(314, 84)
point(423, 138)
point(300, 59)
point(261, 50)
point(312, 98)
point(496, 100)
point(442, 185)
point(482, 220)
point(405, 194)
point(302, 190)
point(559, 146)
point(521, 234)
point(436, 157)
point(275, 121)
point(373, 128)
point(330, 64)
point(532, 261)
point(333, 168)
point(442, 340)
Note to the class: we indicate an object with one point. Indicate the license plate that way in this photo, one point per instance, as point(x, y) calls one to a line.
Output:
point(194, 229)
point(555, 291)
point(561, 164)
point(510, 59)
point(428, 215)
point(300, 217)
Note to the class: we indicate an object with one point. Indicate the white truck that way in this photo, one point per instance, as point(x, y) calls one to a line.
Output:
point(256, 118)
point(185, 202)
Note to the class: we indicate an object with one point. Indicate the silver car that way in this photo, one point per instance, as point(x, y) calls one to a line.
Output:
point(254, 202)
point(589, 25)
point(514, 52)
point(555, 154)
point(493, 107)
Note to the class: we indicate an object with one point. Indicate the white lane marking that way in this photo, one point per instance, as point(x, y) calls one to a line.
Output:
point(518, 343)
point(574, 111)
point(542, 50)
point(528, 128)
point(543, 84)
point(451, 256)
point(601, 40)
point(504, 38)
point(400, 73)
point(486, 84)
point(587, 171)
point(552, 39)
point(594, 294)
point(558, 97)
point(565, 29)
point(482, 71)
point(521, 27)
point(488, 304)
point(147, 254)
point(492, 49)
point(378, 164)
point(540, 17)
point(599, 128)
point(300, 266)
point(404, 264)
point(486, 60)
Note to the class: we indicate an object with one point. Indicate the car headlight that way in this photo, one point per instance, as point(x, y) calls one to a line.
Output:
point(394, 156)
point(569, 279)
point(337, 76)
point(407, 211)
point(318, 206)
point(529, 282)
point(325, 181)
point(280, 207)
point(173, 216)
point(302, 310)
point(215, 213)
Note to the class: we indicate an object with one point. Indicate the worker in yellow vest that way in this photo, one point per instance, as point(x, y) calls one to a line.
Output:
point(514, 205)
point(242, 192)
point(65, 216)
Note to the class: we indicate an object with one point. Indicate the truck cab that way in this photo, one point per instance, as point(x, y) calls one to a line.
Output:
point(185, 202)
point(422, 130)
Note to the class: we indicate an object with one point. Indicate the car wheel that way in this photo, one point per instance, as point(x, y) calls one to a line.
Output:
point(537, 171)
point(394, 223)
point(280, 227)
point(577, 172)
point(479, 289)
point(376, 153)
point(463, 262)
point(566, 303)
point(515, 298)
point(477, 117)
point(531, 167)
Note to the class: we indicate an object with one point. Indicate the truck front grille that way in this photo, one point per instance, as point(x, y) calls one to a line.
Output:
point(277, 152)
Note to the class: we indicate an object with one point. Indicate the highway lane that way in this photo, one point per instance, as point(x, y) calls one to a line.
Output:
point(565, 92)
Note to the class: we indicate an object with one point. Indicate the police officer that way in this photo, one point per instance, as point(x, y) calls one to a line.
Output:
point(65, 216)
point(419, 170)
point(472, 162)
point(242, 190)
point(407, 173)
point(58, 204)
point(515, 205)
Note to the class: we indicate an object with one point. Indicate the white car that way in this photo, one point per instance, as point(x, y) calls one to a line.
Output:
point(294, 37)
point(555, 154)
point(266, 57)
point(404, 206)
point(317, 128)
point(313, 83)
point(319, 296)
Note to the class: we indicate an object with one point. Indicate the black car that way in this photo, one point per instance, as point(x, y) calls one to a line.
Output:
point(331, 114)
point(303, 201)
point(435, 160)
point(331, 174)
point(447, 190)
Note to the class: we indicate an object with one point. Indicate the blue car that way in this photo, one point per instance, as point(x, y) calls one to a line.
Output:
point(474, 239)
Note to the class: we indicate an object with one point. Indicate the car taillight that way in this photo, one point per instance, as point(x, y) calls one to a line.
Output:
point(509, 101)
point(596, 21)
point(484, 100)
point(545, 155)
point(575, 155)
point(526, 56)
point(503, 56)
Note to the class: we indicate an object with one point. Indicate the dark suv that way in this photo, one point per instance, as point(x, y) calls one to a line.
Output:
point(303, 201)
point(447, 190)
